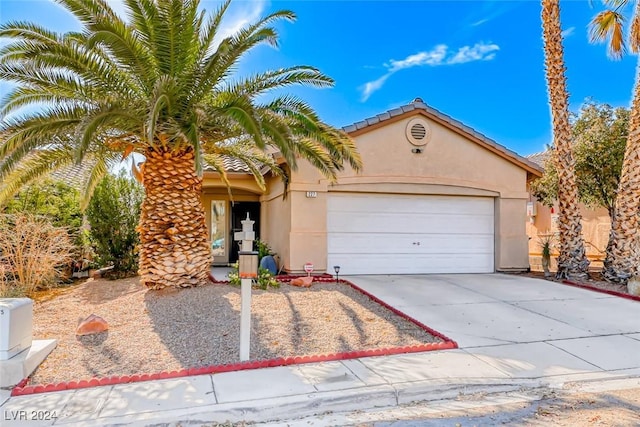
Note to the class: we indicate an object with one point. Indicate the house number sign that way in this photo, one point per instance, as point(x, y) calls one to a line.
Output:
point(308, 267)
point(312, 194)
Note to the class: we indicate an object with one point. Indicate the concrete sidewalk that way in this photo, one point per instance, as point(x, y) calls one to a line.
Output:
point(515, 333)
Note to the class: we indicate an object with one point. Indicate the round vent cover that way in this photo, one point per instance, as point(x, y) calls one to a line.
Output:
point(418, 131)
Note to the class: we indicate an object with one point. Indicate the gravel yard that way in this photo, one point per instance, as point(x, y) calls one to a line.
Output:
point(152, 331)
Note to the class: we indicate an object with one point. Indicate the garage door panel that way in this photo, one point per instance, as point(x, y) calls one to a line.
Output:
point(353, 264)
point(344, 243)
point(407, 223)
point(408, 204)
point(410, 234)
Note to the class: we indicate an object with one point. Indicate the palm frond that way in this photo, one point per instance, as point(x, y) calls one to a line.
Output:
point(260, 83)
point(38, 165)
point(97, 124)
point(216, 162)
point(609, 25)
point(99, 170)
point(242, 112)
point(216, 67)
point(27, 31)
point(209, 33)
point(38, 129)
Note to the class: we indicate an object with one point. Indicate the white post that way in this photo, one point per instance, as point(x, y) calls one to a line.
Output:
point(245, 319)
point(247, 236)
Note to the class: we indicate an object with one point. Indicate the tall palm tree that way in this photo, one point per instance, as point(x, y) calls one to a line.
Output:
point(572, 260)
point(162, 84)
point(623, 256)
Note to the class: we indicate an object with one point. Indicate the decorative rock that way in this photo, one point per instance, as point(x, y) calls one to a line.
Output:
point(92, 325)
point(303, 282)
point(633, 285)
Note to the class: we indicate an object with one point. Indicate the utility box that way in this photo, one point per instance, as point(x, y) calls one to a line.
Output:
point(16, 326)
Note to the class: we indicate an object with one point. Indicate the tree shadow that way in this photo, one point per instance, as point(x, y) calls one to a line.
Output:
point(298, 324)
point(103, 361)
point(358, 324)
point(198, 326)
point(405, 329)
point(103, 290)
point(93, 340)
point(201, 326)
point(355, 333)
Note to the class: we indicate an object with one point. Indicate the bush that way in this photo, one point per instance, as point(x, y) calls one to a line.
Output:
point(263, 249)
point(34, 254)
point(113, 214)
point(58, 202)
point(264, 280)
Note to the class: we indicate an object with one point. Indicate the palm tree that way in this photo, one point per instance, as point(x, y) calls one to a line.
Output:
point(572, 260)
point(161, 84)
point(623, 257)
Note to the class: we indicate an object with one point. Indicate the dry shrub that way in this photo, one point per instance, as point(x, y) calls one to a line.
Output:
point(34, 254)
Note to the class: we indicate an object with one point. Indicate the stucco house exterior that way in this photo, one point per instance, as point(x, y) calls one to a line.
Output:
point(434, 196)
point(542, 220)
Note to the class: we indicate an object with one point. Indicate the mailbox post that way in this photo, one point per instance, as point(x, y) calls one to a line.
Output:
point(247, 270)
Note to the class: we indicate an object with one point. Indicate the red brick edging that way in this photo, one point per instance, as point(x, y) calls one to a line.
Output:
point(603, 291)
point(23, 389)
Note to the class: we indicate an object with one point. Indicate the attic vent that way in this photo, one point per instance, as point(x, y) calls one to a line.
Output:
point(418, 131)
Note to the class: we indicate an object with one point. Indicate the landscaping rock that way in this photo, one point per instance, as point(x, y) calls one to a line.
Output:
point(92, 325)
point(633, 285)
point(303, 282)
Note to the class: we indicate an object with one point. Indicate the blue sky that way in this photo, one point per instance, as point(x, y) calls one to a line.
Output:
point(480, 62)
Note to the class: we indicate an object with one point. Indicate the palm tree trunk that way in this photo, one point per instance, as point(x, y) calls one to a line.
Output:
point(175, 248)
point(623, 258)
point(572, 260)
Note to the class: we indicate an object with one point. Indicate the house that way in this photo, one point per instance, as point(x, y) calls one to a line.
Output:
point(542, 220)
point(434, 196)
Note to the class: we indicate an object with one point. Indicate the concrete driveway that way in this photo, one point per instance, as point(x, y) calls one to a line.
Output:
point(523, 326)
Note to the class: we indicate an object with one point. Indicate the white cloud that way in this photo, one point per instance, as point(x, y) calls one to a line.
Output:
point(478, 52)
point(370, 87)
point(439, 55)
point(432, 57)
point(480, 22)
point(568, 32)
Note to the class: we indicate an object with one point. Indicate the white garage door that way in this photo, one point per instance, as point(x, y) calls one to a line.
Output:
point(409, 234)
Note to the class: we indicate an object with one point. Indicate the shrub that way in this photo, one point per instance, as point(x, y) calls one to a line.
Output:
point(264, 280)
point(34, 254)
point(113, 214)
point(263, 249)
point(58, 202)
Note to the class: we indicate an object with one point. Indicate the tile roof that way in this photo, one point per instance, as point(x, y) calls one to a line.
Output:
point(233, 165)
point(539, 158)
point(418, 104)
point(73, 175)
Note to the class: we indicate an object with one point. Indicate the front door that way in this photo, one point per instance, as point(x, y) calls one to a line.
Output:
point(239, 212)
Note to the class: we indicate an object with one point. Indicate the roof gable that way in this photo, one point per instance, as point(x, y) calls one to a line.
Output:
point(418, 107)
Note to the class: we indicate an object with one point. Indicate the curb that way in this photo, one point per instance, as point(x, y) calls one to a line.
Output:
point(602, 291)
point(447, 344)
